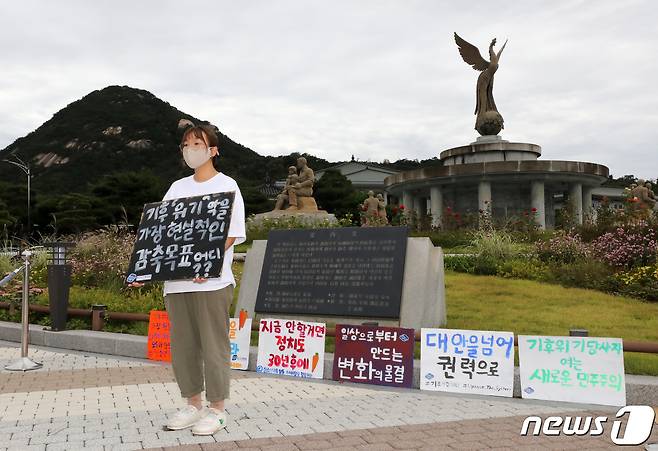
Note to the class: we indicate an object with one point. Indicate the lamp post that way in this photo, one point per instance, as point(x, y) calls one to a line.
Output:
point(59, 283)
point(25, 168)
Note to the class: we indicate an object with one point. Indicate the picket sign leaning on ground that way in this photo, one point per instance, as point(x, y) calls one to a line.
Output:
point(556, 368)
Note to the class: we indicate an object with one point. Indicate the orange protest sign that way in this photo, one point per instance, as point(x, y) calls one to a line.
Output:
point(158, 338)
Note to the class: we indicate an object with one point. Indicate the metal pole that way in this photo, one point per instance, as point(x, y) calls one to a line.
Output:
point(29, 223)
point(25, 309)
point(25, 363)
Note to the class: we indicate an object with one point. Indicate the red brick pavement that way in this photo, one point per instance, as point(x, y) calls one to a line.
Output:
point(496, 434)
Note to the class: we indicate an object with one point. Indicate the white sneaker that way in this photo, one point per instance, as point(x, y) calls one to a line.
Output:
point(212, 421)
point(185, 418)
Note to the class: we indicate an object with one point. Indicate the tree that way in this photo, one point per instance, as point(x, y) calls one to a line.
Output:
point(75, 213)
point(14, 198)
point(255, 201)
point(6, 219)
point(335, 193)
point(124, 194)
point(621, 182)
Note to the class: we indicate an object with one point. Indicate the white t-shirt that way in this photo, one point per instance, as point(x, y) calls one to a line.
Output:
point(220, 183)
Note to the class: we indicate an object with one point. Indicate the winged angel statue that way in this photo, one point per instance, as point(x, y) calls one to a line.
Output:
point(488, 120)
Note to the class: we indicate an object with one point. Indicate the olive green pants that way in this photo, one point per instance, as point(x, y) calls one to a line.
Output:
point(200, 345)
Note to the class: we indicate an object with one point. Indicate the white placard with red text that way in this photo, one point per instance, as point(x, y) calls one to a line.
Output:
point(291, 348)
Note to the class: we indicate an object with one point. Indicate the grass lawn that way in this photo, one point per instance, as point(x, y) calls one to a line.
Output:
point(526, 307)
point(473, 302)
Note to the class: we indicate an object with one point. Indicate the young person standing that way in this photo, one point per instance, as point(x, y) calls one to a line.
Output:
point(199, 309)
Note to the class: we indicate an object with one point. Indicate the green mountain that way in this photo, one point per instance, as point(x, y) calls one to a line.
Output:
point(119, 129)
point(100, 158)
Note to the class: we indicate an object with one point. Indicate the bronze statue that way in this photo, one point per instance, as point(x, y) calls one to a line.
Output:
point(642, 195)
point(374, 209)
point(297, 186)
point(291, 180)
point(651, 196)
point(370, 206)
point(382, 207)
point(488, 121)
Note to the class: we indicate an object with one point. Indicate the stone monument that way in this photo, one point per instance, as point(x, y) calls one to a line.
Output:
point(345, 275)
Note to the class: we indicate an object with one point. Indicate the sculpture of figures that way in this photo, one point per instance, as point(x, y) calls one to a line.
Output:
point(291, 180)
point(488, 121)
point(651, 195)
point(381, 209)
point(370, 206)
point(299, 187)
point(642, 195)
point(374, 209)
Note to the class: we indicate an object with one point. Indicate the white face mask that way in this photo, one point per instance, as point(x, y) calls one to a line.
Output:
point(196, 156)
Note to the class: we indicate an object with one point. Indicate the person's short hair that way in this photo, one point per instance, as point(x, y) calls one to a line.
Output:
point(206, 132)
point(302, 159)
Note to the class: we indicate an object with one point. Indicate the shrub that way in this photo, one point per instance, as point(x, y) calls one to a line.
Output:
point(524, 268)
point(6, 265)
point(526, 224)
point(451, 219)
point(396, 213)
point(101, 258)
point(448, 238)
point(641, 282)
point(592, 274)
point(486, 265)
point(604, 220)
point(628, 246)
point(38, 271)
point(492, 247)
point(494, 244)
point(461, 263)
point(562, 248)
point(260, 230)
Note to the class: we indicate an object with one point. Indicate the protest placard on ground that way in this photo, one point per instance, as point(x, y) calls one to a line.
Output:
point(467, 361)
point(374, 355)
point(157, 344)
point(240, 335)
point(291, 348)
point(574, 369)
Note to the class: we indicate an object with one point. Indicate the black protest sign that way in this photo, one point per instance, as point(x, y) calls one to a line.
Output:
point(181, 239)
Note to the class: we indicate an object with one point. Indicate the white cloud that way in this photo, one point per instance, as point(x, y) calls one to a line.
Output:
point(371, 78)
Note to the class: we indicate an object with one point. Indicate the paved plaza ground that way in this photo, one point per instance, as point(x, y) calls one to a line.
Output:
point(93, 401)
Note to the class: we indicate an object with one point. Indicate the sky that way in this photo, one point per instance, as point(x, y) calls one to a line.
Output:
point(374, 79)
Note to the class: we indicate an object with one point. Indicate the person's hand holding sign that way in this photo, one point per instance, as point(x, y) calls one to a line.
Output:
point(229, 243)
